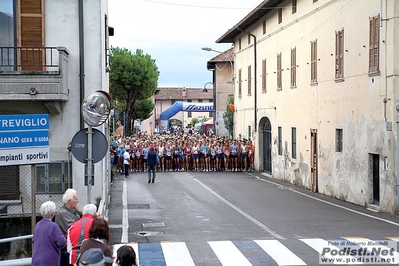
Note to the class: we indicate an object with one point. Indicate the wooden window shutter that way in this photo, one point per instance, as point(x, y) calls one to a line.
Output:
point(339, 54)
point(374, 44)
point(249, 79)
point(279, 83)
point(313, 60)
point(239, 83)
point(264, 75)
point(293, 67)
point(31, 34)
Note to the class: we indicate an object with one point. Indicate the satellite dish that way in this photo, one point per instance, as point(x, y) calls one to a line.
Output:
point(96, 108)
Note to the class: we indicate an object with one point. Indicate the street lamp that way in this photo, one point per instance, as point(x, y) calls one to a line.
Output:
point(208, 49)
point(205, 89)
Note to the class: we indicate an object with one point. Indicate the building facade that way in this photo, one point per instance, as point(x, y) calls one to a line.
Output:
point(316, 89)
point(223, 78)
point(52, 55)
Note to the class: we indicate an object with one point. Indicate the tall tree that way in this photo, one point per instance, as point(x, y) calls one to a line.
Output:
point(133, 77)
point(228, 116)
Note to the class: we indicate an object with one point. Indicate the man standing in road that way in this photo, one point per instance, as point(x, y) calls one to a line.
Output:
point(126, 160)
point(80, 231)
point(152, 161)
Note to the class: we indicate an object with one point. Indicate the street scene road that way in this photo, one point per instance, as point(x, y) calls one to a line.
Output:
point(230, 218)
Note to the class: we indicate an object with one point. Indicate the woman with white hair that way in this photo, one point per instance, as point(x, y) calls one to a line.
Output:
point(48, 238)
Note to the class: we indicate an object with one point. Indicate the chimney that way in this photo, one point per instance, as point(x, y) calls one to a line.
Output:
point(183, 92)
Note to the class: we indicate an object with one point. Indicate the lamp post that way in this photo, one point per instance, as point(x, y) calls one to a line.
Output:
point(208, 49)
point(215, 86)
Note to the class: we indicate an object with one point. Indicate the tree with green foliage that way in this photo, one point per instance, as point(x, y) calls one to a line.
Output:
point(144, 109)
point(133, 80)
point(228, 117)
point(194, 120)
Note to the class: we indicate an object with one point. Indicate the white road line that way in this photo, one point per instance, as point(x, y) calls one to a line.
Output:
point(333, 204)
point(228, 254)
point(280, 253)
point(125, 220)
point(176, 254)
point(264, 227)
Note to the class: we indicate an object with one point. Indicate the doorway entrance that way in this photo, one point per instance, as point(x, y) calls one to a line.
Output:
point(374, 174)
point(267, 146)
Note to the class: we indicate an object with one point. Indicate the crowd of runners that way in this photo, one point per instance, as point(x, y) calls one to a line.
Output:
point(184, 152)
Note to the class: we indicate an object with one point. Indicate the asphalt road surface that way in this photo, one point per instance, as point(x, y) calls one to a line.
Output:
point(230, 218)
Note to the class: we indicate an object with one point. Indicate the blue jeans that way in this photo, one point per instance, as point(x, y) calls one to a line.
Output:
point(151, 168)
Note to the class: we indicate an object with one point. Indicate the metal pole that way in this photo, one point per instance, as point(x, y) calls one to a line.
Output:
point(397, 156)
point(33, 198)
point(89, 161)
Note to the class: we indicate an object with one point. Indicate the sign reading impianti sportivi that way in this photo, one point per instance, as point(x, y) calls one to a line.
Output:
point(359, 251)
point(24, 139)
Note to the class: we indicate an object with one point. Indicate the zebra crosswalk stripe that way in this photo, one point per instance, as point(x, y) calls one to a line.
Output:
point(280, 253)
point(176, 253)
point(228, 253)
point(251, 252)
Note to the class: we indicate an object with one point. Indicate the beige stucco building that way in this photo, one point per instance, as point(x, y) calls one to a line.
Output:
point(222, 67)
point(317, 90)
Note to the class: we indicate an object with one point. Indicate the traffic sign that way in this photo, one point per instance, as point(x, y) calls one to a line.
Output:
point(80, 148)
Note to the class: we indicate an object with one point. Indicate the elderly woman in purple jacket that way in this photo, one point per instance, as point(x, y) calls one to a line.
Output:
point(47, 238)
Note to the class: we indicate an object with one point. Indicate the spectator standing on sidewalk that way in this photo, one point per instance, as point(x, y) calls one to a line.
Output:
point(79, 231)
point(113, 163)
point(48, 238)
point(65, 217)
point(152, 161)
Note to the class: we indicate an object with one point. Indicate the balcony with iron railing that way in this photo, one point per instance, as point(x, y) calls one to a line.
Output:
point(34, 74)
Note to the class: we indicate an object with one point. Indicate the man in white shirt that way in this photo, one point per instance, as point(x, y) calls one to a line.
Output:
point(126, 161)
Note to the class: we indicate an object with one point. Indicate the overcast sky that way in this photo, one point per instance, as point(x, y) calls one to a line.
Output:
point(173, 33)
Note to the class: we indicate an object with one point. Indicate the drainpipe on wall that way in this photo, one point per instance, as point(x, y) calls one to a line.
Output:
point(255, 79)
point(81, 59)
point(397, 156)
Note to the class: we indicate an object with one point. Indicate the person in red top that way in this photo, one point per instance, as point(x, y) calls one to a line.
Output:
point(251, 156)
point(80, 231)
point(187, 155)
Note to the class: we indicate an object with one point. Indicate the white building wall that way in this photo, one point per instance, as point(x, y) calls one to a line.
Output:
point(62, 29)
point(356, 105)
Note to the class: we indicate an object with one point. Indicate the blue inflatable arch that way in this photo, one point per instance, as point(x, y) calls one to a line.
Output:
point(182, 106)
